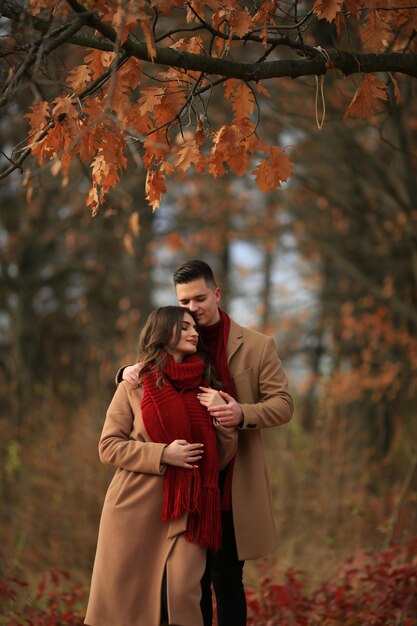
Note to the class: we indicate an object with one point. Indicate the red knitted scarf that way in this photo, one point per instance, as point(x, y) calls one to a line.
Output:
point(174, 412)
point(215, 338)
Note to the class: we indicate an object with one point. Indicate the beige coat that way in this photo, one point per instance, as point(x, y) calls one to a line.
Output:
point(262, 392)
point(134, 546)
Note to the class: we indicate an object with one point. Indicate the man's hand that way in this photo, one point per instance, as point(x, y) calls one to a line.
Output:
point(130, 373)
point(228, 414)
point(182, 454)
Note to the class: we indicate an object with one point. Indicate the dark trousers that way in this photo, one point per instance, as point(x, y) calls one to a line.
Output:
point(225, 572)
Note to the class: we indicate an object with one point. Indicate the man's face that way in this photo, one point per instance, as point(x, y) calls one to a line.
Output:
point(201, 299)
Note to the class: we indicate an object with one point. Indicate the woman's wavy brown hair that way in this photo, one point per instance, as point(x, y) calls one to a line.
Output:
point(156, 335)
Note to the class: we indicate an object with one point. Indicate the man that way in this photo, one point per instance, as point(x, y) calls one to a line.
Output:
point(257, 396)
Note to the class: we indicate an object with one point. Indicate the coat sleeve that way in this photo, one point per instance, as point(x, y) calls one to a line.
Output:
point(226, 443)
point(117, 448)
point(275, 405)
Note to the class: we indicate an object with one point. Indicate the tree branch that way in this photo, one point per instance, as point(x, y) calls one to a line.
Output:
point(346, 62)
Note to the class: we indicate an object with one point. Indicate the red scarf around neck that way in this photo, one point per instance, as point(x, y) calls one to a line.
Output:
point(174, 412)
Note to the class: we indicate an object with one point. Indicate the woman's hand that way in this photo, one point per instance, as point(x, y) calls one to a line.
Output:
point(130, 373)
point(182, 454)
point(221, 406)
point(210, 397)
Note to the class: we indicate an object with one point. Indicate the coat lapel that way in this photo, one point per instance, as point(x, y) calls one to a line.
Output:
point(235, 339)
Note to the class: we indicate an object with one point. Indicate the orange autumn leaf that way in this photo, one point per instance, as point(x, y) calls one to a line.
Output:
point(376, 33)
point(170, 105)
point(368, 98)
point(225, 143)
point(243, 101)
point(262, 90)
point(151, 97)
point(273, 170)
point(95, 63)
point(200, 135)
point(155, 187)
point(93, 200)
point(241, 22)
point(39, 116)
point(397, 92)
point(79, 77)
point(327, 9)
point(149, 38)
point(187, 154)
point(239, 161)
point(167, 168)
point(65, 106)
point(156, 147)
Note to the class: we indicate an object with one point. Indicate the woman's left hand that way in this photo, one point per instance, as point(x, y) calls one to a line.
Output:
point(222, 406)
point(210, 397)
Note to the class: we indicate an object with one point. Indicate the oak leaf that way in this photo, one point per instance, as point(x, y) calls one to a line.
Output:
point(39, 116)
point(368, 98)
point(376, 33)
point(149, 38)
point(327, 9)
point(243, 100)
point(187, 154)
point(155, 187)
point(151, 97)
point(95, 63)
point(79, 77)
point(156, 147)
point(273, 170)
point(65, 106)
point(241, 22)
point(200, 134)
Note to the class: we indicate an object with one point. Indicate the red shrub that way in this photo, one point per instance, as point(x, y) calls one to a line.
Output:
point(370, 589)
point(57, 601)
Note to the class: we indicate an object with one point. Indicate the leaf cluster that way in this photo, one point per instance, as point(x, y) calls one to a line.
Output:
point(149, 69)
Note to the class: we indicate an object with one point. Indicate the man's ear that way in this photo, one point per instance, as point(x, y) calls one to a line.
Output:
point(218, 294)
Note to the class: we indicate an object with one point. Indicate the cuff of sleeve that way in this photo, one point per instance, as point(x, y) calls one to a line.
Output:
point(161, 466)
point(249, 421)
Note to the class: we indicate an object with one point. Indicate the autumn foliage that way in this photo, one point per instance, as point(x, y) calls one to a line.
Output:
point(148, 71)
point(370, 589)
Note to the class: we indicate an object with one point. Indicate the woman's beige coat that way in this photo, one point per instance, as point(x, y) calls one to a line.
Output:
point(262, 392)
point(134, 546)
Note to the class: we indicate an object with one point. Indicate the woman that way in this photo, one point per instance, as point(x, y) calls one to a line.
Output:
point(162, 508)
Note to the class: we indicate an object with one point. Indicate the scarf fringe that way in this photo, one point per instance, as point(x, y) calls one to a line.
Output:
point(204, 527)
point(182, 493)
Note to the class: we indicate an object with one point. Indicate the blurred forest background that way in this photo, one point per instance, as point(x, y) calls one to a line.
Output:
point(327, 265)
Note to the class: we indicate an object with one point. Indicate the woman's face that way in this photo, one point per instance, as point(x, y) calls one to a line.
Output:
point(187, 343)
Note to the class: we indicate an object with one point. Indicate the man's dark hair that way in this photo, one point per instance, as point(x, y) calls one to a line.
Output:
point(193, 270)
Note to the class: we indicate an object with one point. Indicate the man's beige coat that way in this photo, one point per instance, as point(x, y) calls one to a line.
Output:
point(262, 392)
point(134, 546)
